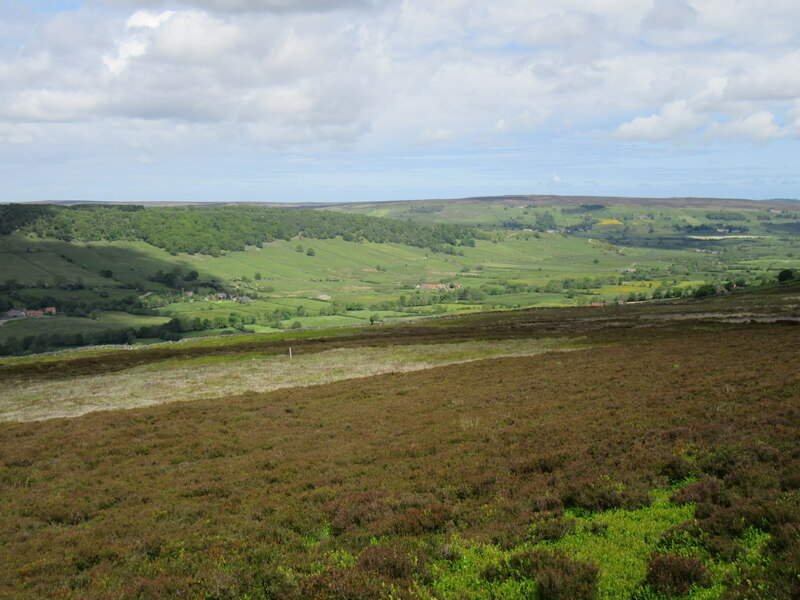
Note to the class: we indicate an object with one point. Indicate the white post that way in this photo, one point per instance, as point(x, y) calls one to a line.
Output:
point(290, 353)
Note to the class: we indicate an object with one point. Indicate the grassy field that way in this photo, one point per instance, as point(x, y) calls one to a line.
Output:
point(656, 460)
point(105, 321)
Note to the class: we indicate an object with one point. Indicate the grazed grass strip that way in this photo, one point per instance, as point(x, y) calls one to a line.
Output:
point(213, 376)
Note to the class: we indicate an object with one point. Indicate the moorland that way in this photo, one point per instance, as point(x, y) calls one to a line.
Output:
point(645, 451)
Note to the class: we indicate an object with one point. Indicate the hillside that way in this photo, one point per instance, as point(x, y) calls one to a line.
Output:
point(212, 230)
point(128, 274)
point(645, 451)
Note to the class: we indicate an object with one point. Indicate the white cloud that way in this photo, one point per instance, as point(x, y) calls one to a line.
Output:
point(52, 105)
point(674, 121)
point(433, 136)
point(560, 29)
point(138, 41)
point(143, 18)
point(770, 79)
point(308, 72)
point(16, 73)
point(248, 5)
point(713, 97)
point(759, 127)
point(669, 14)
point(126, 50)
point(192, 36)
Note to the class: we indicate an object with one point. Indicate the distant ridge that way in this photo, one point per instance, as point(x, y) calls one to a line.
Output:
point(554, 200)
point(533, 199)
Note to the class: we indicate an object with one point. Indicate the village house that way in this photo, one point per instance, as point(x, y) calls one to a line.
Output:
point(439, 286)
point(431, 286)
point(15, 313)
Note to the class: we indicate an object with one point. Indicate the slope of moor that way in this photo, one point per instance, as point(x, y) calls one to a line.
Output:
point(659, 461)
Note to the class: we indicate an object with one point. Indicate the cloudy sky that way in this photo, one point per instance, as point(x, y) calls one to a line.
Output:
point(335, 100)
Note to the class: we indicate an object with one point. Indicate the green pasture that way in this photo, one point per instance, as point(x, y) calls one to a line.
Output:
point(55, 262)
point(106, 321)
point(117, 319)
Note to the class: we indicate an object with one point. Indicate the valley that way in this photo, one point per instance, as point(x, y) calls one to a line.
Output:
point(392, 265)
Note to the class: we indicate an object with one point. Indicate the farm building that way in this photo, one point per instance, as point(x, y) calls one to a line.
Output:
point(23, 313)
point(439, 286)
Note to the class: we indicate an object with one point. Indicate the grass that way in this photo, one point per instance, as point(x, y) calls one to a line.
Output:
point(211, 377)
point(106, 321)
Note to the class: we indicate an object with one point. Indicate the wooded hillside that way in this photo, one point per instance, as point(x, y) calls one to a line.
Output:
point(212, 230)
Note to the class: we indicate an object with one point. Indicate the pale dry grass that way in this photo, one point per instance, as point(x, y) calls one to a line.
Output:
point(203, 378)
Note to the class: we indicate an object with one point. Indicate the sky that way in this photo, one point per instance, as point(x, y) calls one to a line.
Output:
point(371, 100)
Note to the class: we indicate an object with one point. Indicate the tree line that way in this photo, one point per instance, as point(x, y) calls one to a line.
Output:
point(213, 230)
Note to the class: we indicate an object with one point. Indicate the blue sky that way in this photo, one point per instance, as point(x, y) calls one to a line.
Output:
point(345, 100)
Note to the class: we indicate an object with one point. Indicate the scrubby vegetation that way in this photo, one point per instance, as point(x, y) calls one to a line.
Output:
point(659, 462)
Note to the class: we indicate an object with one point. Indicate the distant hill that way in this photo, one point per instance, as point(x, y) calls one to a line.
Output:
point(536, 199)
point(555, 200)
